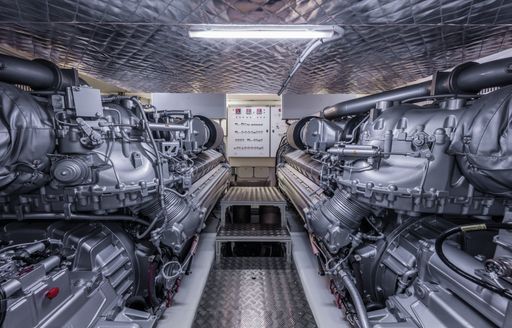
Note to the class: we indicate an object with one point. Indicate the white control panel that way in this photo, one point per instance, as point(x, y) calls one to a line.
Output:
point(248, 131)
point(278, 128)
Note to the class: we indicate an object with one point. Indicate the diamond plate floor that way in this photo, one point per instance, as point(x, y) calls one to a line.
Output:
point(253, 292)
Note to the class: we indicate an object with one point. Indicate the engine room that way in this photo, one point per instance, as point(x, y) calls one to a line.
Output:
point(255, 163)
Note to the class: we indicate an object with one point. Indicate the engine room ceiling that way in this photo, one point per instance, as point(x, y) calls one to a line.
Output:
point(143, 45)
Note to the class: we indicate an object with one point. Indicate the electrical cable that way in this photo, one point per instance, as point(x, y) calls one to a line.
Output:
point(157, 152)
point(159, 170)
point(470, 228)
point(357, 300)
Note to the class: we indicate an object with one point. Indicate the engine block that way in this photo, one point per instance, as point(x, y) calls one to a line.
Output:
point(102, 199)
point(384, 183)
point(74, 274)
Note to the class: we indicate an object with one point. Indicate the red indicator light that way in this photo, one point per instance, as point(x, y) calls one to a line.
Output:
point(52, 293)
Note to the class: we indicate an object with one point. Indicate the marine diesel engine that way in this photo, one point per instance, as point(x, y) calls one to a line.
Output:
point(407, 194)
point(101, 200)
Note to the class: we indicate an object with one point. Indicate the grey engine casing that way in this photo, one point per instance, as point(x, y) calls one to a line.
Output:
point(114, 193)
point(377, 184)
point(94, 268)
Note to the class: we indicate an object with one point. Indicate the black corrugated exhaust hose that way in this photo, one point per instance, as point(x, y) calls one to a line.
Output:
point(357, 300)
point(469, 228)
point(39, 74)
point(467, 78)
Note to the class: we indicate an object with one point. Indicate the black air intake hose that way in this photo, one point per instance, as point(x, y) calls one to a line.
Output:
point(39, 74)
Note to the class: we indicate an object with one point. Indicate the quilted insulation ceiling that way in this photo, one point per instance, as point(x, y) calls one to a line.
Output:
point(143, 45)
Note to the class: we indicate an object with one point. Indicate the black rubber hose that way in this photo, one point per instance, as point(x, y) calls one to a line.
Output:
point(357, 300)
point(3, 307)
point(39, 74)
point(469, 228)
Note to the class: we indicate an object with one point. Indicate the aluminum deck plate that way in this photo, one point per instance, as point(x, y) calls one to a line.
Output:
point(250, 232)
point(253, 196)
point(254, 292)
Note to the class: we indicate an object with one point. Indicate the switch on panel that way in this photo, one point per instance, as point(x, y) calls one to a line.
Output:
point(248, 131)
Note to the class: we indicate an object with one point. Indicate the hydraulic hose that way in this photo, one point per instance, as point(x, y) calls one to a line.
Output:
point(356, 299)
point(469, 228)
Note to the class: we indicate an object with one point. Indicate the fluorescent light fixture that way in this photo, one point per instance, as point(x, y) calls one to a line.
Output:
point(261, 32)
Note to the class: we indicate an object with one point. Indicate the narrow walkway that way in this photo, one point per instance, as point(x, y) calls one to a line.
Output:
point(254, 292)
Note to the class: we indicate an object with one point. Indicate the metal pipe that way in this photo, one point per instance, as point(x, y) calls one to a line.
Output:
point(311, 46)
point(61, 216)
point(469, 77)
point(361, 151)
point(39, 74)
point(50, 263)
point(362, 105)
point(167, 127)
point(298, 63)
